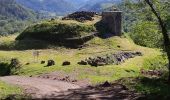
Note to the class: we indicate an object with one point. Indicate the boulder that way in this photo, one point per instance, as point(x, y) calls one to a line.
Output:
point(65, 63)
point(42, 62)
point(51, 63)
point(27, 64)
point(82, 62)
point(106, 84)
point(139, 54)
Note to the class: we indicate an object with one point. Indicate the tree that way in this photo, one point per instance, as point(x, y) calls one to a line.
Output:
point(164, 30)
point(146, 33)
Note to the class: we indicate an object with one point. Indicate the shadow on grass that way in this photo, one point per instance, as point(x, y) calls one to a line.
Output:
point(115, 92)
point(29, 44)
point(154, 89)
point(24, 45)
point(151, 88)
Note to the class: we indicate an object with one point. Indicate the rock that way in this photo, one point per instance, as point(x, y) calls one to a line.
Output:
point(81, 16)
point(27, 64)
point(117, 59)
point(51, 63)
point(42, 62)
point(82, 62)
point(139, 54)
point(65, 63)
point(118, 46)
point(74, 80)
point(106, 84)
point(101, 64)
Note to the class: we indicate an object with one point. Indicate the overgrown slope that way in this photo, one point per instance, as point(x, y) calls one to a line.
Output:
point(61, 32)
point(13, 17)
point(10, 9)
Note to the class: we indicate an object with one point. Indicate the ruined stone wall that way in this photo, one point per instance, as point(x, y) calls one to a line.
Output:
point(113, 20)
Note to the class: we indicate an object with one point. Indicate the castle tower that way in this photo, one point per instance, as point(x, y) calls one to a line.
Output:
point(113, 20)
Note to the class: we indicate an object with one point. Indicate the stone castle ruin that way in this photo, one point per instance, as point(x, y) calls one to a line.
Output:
point(73, 35)
point(113, 21)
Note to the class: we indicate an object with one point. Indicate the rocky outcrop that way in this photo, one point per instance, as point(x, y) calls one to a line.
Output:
point(109, 59)
point(81, 16)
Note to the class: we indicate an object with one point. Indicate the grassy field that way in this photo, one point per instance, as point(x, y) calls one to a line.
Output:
point(151, 59)
point(95, 47)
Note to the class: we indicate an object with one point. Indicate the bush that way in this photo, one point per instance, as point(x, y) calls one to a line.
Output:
point(5, 69)
point(8, 69)
point(146, 34)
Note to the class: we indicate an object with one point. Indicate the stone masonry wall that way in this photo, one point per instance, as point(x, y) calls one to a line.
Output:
point(113, 20)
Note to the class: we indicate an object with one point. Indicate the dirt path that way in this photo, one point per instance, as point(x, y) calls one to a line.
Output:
point(47, 89)
point(39, 87)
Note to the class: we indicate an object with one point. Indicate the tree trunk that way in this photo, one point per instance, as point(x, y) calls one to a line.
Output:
point(164, 33)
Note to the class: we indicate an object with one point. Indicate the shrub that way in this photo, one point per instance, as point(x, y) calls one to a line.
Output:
point(15, 63)
point(146, 34)
point(8, 69)
point(5, 69)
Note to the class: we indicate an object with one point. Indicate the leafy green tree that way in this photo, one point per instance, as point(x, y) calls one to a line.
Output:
point(163, 25)
point(146, 33)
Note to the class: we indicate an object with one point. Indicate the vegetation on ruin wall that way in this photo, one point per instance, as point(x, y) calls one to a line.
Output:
point(53, 30)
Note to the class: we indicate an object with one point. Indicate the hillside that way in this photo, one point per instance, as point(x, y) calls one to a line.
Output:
point(80, 75)
point(63, 7)
point(53, 7)
point(14, 17)
point(10, 9)
point(118, 54)
point(77, 3)
point(71, 33)
point(99, 5)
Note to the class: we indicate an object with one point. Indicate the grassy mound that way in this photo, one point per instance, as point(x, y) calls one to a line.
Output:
point(57, 31)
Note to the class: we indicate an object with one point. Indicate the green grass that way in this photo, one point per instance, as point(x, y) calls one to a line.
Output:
point(9, 43)
point(95, 47)
point(7, 89)
point(52, 31)
point(151, 59)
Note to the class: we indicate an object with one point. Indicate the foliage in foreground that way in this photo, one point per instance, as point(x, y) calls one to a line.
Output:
point(151, 88)
point(6, 89)
point(146, 34)
point(142, 23)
